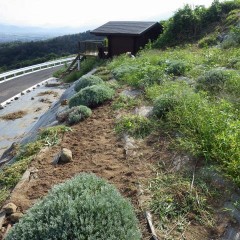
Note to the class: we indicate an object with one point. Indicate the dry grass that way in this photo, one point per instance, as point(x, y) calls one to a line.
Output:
point(55, 94)
point(14, 115)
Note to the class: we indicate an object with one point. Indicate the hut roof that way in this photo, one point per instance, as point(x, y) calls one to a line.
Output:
point(133, 28)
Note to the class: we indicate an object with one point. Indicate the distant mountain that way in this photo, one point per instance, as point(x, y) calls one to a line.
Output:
point(10, 33)
point(4, 28)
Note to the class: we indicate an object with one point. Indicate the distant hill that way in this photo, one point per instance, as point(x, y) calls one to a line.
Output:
point(11, 33)
point(17, 54)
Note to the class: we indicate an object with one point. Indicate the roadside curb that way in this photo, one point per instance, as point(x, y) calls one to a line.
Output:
point(17, 96)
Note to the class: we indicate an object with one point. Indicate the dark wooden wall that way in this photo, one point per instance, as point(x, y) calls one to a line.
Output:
point(121, 44)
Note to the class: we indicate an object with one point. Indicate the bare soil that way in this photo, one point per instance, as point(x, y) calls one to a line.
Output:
point(97, 149)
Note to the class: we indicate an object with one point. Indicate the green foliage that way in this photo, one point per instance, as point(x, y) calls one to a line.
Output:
point(208, 41)
point(92, 96)
point(52, 135)
point(60, 72)
point(103, 73)
point(176, 202)
point(213, 80)
point(189, 24)
point(85, 207)
point(163, 104)
point(176, 67)
point(86, 66)
point(134, 125)
point(233, 39)
point(125, 102)
point(21, 54)
point(86, 81)
point(208, 129)
point(79, 113)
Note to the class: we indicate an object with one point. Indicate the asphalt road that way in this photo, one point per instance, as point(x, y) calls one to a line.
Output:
point(12, 87)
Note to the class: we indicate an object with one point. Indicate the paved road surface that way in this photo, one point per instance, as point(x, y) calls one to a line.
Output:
point(12, 87)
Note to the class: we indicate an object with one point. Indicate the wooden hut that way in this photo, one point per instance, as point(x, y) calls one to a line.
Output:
point(127, 36)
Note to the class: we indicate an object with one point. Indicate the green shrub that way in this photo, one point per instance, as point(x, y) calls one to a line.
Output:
point(79, 113)
point(92, 96)
point(234, 63)
point(176, 67)
point(85, 207)
point(163, 104)
point(134, 125)
point(86, 66)
point(213, 80)
point(86, 81)
point(210, 40)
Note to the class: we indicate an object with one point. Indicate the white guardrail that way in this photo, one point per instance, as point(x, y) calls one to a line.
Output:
point(34, 68)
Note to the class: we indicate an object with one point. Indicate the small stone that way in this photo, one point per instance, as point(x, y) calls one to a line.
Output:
point(22, 93)
point(10, 208)
point(38, 85)
point(15, 217)
point(16, 98)
point(32, 98)
point(28, 91)
point(66, 156)
point(64, 102)
point(1, 106)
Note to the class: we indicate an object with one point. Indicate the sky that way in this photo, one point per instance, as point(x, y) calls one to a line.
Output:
point(87, 14)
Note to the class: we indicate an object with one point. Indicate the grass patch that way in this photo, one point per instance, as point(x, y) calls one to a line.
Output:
point(134, 125)
point(177, 200)
point(125, 102)
point(87, 65)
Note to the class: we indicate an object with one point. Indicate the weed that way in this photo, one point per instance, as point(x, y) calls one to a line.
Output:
point(125, 102)
point(134, 125)
point(86, 66)
point(213, 80)
point(176, 201)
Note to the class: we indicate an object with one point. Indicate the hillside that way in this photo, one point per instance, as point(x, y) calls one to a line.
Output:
point(162, 127)
point(17, 54)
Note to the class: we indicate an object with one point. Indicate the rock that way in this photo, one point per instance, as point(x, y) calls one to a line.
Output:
point(28, 91)
point(15, 217)
point(32, 98)
point(145, 111)
point(66, 156)
point(131, 93)
point(2, 218)
point(1, 106)
point(64, 102)
point(22, 93)
point(16, 98)
point(10, 208)
point(130, 146)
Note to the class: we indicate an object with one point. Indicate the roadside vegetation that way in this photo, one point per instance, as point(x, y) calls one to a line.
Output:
point(11, 173)
point(191, 79)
